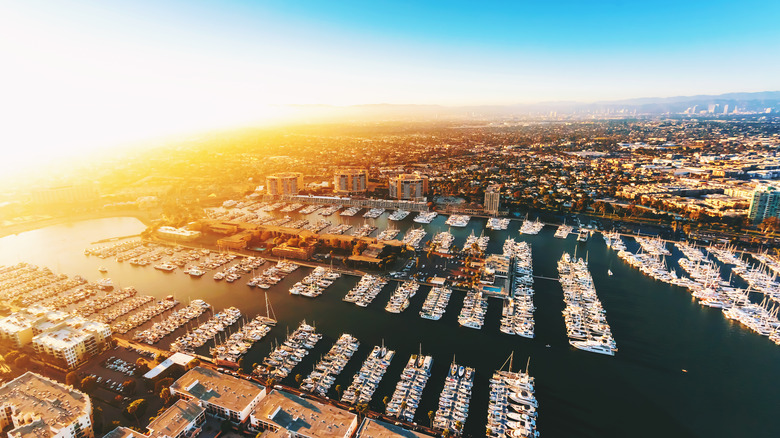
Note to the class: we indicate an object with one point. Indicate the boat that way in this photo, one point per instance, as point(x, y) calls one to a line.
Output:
point(167, 267)
point(609, 272)
point(195, 272)
point(102, 269)
point(105, 284)
point(398, 215)
point(425, 217)
point(458, 220)
point(497, 224)
point(583, 235)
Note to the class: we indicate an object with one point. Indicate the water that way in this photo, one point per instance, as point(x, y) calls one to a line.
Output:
point(729, 389)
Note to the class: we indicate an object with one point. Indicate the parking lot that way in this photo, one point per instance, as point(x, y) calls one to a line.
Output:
point(112, 368)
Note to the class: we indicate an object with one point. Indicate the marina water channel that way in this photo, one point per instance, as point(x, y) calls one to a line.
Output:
point(682, 370)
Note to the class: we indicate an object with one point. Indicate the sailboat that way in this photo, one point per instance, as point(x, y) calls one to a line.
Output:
point(269, 318)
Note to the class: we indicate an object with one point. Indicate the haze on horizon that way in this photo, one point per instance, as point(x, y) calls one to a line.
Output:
point(87, 75)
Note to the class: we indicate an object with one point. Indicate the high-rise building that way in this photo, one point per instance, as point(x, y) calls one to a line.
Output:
point(35, 406)
point(412, 186)
point(287, 183)
point(350, 181)
point(492, 199)
point(765, 203)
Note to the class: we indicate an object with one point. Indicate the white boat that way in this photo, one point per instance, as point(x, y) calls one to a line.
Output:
point(425, 217)
point(398, 215)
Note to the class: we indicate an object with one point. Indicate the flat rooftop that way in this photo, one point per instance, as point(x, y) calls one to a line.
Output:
point(218, 389)
point(175, 419)
point(17, 322)
point(55, 404)
point(379, 429)
point(124, 432)
point(63, 337)
point(303, 416)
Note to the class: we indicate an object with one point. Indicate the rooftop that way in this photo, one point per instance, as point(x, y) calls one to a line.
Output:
point(216, 388)
point(17, 322)
point(124, 432)
point(52, 404)
point(303, 416)
point(64, 337)
point(175, 419)
point(379, 429)
point(177, 358)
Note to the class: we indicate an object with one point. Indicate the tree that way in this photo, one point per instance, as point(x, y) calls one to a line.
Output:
point(22, 361)
point(385, 401)
point(141, 367)
point(431, 415)
point(771, 224)
point(72, 379)
point(137, 408)
point(11, 356)
point(361, 409)
point(298, 378)
point(165, 395)
point(129, 386)
point(88, 384)
point(162, 383)
point(338, 390)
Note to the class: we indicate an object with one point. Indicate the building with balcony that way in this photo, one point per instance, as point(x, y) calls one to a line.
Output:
point(350, 182)
point(492, 199)
point(34, 406)
point(765, 203)
point(287, 183)
point(412, 186)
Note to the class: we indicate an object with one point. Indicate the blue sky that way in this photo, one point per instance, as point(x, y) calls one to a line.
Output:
point(98, 71)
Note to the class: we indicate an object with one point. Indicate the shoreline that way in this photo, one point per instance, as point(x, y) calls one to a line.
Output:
point(144, 217)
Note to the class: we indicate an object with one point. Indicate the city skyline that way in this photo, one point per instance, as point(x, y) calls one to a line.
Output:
point(89, 76)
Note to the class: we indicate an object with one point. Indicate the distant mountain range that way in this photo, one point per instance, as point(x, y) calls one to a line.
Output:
point(710, 104)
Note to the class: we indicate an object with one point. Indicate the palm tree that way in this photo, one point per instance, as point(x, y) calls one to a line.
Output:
point(338, 390)
point(431, 414)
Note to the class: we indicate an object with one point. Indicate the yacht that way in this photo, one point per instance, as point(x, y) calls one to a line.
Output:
point(195, 272)
point(167, 267)
point(425, 217)
point(458, 220)
point(398, 215)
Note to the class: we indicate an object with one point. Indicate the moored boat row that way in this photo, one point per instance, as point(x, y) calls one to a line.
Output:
point(586, 321)
point(366, 290)
point(365, 381)
point(454, 399)
point(330, 366)
point(399, 301)
point(436, 303)
point(408, 391)
point(285, 357)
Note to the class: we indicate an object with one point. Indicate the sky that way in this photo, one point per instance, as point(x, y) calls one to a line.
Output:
point(81, 75)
